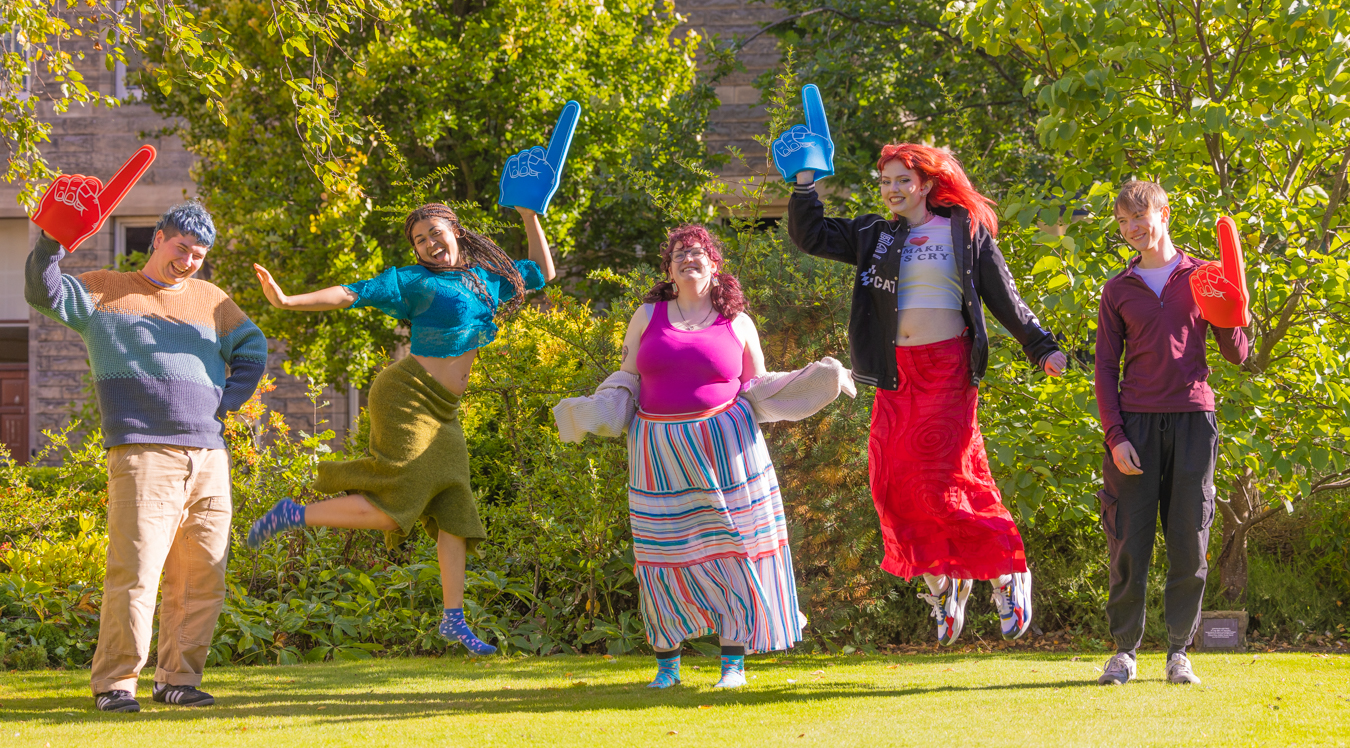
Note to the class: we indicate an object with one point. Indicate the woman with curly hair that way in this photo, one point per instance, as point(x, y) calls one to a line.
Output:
point(709, 533)
point(925, 273)
point(418, 466)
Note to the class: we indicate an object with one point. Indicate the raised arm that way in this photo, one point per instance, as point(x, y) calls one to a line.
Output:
point(539, 250)
point(53, 293)
point(633, 338)
point(812, 232)
point(333, 297)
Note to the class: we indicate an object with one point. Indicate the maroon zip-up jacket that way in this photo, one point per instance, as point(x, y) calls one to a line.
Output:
point(1163, 342)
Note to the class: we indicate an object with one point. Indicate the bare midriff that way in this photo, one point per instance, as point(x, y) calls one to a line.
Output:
point(925, 326)
point(451, 372)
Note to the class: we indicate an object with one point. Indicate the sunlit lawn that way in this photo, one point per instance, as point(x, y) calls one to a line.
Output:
point(928, 700)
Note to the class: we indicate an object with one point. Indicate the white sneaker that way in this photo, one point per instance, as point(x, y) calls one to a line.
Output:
point(1119, 670)
point(1013, 602)
point(949, 608)
point(1179, 670)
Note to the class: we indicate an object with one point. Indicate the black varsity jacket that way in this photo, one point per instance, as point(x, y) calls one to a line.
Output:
point(871, 243)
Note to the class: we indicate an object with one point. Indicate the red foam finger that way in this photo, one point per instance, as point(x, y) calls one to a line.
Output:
point(1230, 251)
point(125, 179)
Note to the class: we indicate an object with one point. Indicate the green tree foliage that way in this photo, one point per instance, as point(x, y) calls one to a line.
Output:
point(445, 93)
point(50, 46)
point(894, 72)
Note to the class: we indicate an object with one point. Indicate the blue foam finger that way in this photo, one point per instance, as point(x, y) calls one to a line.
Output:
point(814, 107)
point(806, 147)
point(561, 142)
point(530, 178)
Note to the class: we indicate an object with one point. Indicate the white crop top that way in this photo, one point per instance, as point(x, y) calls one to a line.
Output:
point(928, 275)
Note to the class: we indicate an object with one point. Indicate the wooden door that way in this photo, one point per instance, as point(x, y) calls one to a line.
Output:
point(14, 410)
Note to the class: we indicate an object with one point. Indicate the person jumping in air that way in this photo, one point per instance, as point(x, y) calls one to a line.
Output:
point(925, 273)
point(418, 466)
point(1161, 434)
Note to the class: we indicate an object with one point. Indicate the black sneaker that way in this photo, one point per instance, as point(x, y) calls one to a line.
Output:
point(181, 695)
point(116, 701)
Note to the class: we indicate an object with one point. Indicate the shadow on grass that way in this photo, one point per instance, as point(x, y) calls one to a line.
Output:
point(325, 694)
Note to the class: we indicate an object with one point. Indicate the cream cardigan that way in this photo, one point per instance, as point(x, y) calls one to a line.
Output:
point(775, 396)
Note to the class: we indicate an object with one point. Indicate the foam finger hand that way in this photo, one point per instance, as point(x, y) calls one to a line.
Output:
point(1221, 302)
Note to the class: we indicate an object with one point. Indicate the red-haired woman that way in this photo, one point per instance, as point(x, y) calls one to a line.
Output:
point(709, 533)
point(925, 274)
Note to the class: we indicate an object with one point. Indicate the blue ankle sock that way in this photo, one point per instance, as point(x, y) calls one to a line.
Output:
point(285, 515)
point(667, 671)
point(733, 672)
point(453, 627)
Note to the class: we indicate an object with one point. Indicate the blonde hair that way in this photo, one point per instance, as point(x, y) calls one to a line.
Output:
point(1137, 196)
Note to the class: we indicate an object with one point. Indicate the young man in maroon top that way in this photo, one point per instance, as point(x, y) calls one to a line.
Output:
point(1161, 436)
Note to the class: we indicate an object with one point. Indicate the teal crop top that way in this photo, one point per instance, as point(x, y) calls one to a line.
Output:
point(448, 318)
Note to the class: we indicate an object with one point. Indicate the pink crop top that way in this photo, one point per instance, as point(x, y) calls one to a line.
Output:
point(687, 372)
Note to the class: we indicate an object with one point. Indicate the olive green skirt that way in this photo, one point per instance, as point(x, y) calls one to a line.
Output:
point(418, 466)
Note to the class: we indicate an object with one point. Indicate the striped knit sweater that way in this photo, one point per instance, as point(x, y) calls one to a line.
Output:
point(159, 355)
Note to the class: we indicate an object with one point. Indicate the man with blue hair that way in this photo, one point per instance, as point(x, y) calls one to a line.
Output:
point(171, 356)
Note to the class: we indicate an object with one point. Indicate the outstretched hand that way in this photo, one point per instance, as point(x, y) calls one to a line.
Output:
point(806, 147)
point(270, 288)
point(530, 177)
point(1220, 288)
point(74, 206)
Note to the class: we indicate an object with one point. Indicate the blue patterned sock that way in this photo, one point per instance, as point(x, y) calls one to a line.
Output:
point(286, 515)
point(454, 628)
point(667, 671)
point(733, 672)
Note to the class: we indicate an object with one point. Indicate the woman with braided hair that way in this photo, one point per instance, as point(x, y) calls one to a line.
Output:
point(418, 466)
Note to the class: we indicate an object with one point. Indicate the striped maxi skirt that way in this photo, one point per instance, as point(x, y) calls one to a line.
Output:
point(709, 533)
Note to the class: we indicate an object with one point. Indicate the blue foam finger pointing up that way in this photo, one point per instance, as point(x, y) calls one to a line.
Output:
point(561, 140)
point(815, 110)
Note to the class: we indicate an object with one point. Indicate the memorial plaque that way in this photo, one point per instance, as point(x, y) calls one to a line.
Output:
point(1222, 631)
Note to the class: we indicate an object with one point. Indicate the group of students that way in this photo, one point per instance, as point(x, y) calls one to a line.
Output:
point(171, 355)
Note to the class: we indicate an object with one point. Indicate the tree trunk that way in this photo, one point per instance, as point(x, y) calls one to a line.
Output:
point(1243, 510)
point(1233, 562)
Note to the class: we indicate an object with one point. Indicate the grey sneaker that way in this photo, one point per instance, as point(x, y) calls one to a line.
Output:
point(1179, 670)
point(1119, 670)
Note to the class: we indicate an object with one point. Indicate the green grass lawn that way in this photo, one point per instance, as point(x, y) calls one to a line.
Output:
point(926, 700)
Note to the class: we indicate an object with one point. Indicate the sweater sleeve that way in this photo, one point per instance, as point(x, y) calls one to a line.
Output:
point(816, 235)
point(53, 293)
point(1233, 343)
point(1110, 347)
point(245, 350)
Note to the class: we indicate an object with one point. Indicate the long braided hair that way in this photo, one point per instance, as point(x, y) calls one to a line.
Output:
point(727, 297)
point(475, 250)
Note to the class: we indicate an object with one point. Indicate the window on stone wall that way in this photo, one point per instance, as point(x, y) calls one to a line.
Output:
point(14, 249)
point(12, 43)
point(126, 82)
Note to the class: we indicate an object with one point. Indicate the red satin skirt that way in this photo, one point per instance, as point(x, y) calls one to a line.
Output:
point(940, 511)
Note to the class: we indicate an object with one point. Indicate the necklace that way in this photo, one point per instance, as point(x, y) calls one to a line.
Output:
point(925, 221)
point(686, 321)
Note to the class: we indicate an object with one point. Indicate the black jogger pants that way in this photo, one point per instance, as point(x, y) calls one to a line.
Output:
point(1177, 453)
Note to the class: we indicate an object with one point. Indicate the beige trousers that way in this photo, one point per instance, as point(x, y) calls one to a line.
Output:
point(168, 512)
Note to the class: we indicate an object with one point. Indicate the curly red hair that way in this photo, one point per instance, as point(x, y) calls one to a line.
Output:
point(952, 188)
point(727, 297)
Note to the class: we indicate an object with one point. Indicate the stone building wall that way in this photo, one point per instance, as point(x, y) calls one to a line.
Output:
point(739, 118)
